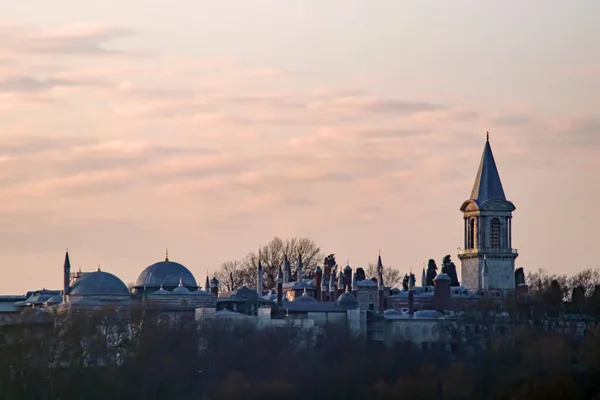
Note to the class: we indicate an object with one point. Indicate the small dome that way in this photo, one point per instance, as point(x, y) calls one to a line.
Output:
point(348, 268)
point(442, 277)
point(180, 289)
point(98, 283)
point(304, 298)
point(366, 283)
point(162, 291)
point(214, 282)
point(347, 297)
point(166, 273)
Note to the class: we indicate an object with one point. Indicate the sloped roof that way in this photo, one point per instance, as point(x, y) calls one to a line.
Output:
point(487, 184)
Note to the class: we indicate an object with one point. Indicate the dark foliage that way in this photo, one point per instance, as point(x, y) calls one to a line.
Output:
point(165, 359)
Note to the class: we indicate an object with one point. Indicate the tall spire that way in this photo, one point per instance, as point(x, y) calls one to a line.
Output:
point(66, 274)
point(259, 278)
point(300, 269)
point(287, 269)
point(207, 283)
point(487, 182)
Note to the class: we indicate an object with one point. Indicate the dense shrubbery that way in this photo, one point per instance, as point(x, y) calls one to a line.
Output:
point(152, 360)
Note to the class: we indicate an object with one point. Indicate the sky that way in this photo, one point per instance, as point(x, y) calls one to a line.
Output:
point(210, 127)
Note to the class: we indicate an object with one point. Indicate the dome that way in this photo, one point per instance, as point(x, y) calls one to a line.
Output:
point(366, 283)
point(162, 291)
point(304, 298)
point(214, 282)
point(347, 298)
point(166, 273)
point(98, 283)
point(181, 289)
point(442, 277)
point(348, 268)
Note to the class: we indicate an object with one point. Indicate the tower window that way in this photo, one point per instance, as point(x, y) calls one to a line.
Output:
point(471, 236)
point(495, 233)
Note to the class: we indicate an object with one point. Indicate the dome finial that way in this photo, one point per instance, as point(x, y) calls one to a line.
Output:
point(180, 281)
point(166, 254)
point(305, 292)
point(98, 267)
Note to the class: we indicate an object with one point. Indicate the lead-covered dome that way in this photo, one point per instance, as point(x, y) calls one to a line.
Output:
point(98, 283)
point(167, 274)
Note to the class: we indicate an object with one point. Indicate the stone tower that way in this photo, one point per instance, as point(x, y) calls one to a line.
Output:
point(487, 231)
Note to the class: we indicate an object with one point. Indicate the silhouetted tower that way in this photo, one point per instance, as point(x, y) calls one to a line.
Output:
point(488, 230)
point(300, 275)
point(348, 277)
point(354, 285)
point(380, 285)
point(207, 284)
point(66, 276)
point(324, 284)
point(441, 294)
point(332, 296)
point(340, 287)
point(287, 269)
point(280, 287)
point(214, 286)
point(317, 282)
point(259, 279)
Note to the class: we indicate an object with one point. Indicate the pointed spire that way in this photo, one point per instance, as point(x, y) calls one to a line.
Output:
point(259, 278)
point(280, 275)
point(207, 283)
point(332, 280)
point(487, 184)
point(66, 275)
point(300, 269)
point(67, 265)
point(287, 269)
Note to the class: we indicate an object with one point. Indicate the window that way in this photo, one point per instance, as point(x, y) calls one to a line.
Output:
point(471, 243)
point(495, 233)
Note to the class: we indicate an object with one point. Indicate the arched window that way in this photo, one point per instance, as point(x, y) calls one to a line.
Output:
point(471, 239)
point(495, 233)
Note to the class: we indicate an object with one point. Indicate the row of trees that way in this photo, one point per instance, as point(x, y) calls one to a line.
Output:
point(145, 359)
point(237, 273)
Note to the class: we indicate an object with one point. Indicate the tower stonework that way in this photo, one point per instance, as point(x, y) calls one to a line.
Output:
point(487, 231)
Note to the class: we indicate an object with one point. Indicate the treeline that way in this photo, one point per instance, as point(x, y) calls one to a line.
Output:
point(237, 273)
point(104, 355)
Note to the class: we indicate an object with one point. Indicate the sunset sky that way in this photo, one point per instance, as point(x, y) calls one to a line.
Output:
point(209, 127)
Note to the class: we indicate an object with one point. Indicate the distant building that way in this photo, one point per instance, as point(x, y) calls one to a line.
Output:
point(343, 297)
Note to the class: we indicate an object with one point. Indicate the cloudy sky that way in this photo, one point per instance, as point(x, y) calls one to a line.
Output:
point(209, 127)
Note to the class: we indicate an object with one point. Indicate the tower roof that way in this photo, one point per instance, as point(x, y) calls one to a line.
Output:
point(487, 182)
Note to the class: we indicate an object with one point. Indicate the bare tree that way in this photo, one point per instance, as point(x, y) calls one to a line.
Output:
point(539, 282)
point(588, 279)
point(232, 275)
point(391, 276)
point(272, 255)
